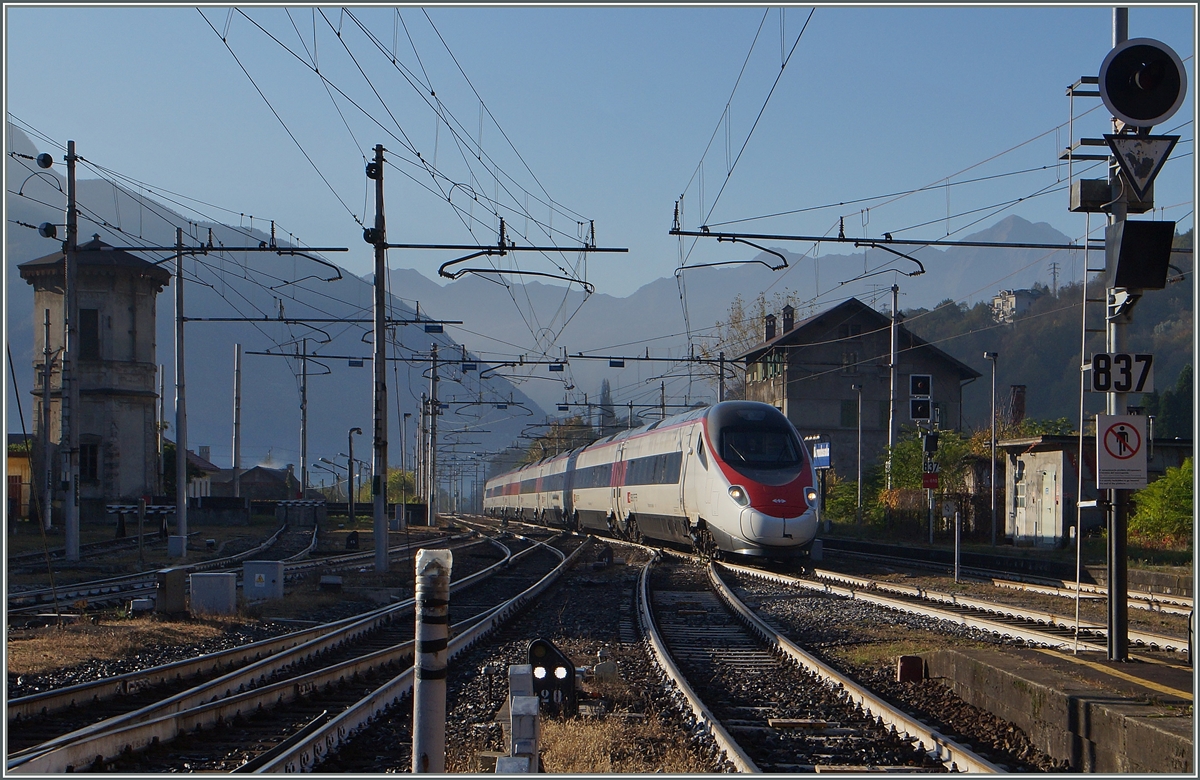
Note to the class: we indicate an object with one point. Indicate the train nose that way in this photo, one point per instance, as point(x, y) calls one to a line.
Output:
point(787, 530)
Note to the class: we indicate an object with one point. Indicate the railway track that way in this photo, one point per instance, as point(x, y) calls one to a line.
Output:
point(1005, 620)
point(1138, 599)
point(318, 688)
point(294, 548)
point(768, 704)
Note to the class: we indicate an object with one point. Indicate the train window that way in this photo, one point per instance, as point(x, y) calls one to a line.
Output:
point(759, 448)
point(700, 451)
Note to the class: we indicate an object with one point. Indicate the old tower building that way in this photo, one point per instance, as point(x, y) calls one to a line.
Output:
point(115, 366)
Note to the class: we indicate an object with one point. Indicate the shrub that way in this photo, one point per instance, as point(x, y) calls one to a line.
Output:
point(1163, 509)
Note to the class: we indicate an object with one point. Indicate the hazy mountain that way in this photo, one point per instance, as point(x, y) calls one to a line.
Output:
point(527, 323)
point(261, 285)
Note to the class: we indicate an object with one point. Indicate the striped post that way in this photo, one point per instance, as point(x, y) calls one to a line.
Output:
point(432, 635)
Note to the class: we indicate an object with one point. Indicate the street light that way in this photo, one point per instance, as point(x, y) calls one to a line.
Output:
point(858, 516)
point(992, 357)
point(350, 472)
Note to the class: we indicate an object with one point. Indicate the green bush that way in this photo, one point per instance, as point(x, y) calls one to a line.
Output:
point(1163, 509)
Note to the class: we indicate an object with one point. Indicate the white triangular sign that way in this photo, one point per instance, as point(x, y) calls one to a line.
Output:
point(1141, 157)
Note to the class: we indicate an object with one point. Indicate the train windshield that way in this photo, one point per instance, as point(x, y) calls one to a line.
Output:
point(759, 448)
point(757, 441)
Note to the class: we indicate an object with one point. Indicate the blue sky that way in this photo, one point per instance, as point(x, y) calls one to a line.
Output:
point(606, 111)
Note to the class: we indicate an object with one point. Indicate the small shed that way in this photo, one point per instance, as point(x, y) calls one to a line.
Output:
point(1041, 490)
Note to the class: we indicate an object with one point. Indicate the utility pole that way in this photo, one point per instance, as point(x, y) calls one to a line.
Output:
point(161, 487)
point(304, 419)
point(47, 471)
point(434, 410)
point(721, 384)
point(1118, 317)
point(379, 475)
point(662, 400)
point(69, 435)
point(892, 381)
point(180, 405)
point(237, 420)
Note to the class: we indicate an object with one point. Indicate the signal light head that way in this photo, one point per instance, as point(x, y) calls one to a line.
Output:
point(45, 161)
point(47, 230)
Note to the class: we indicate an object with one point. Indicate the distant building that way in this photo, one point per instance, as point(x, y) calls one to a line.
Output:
point(115, 367)
point(19, 471)
point(1007, 305)
point(1041, 475)
point(808, 370)
point(260, 483)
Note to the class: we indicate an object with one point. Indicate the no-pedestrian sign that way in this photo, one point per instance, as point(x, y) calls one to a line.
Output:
point(1120, 451)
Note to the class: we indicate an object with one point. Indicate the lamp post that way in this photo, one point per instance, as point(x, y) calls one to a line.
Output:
point(350, 491)
point(992, 357)
point(858, 514)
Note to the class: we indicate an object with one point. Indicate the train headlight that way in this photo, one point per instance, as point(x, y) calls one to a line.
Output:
point(738, 494)
point(810, 495)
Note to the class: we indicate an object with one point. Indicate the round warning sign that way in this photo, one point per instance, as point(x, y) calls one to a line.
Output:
point(1122, 441)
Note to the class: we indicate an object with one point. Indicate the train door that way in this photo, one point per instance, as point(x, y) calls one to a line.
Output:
point(618, 485)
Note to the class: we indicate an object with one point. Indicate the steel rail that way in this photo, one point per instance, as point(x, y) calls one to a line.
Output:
point(703, 716)
point(1137, 599)
point(56, 754)
point(940, 747)
point(113, 585)
point(310, 751)
point(131, 682)
point(858, 584)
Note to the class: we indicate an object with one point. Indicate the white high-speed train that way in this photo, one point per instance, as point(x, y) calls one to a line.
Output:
point(730, 478)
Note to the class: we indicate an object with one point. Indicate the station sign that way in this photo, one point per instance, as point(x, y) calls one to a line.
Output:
point(1120, 452)
point(820, 455)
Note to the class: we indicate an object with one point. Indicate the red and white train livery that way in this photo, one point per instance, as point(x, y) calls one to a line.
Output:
point(730, 478)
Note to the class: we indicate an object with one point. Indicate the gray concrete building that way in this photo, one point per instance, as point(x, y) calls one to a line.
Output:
point(808, 370)
point(116, 369)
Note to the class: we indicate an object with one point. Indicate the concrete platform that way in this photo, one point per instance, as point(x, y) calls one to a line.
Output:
point(1098, 715)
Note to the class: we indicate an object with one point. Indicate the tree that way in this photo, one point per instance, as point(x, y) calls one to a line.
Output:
point(1163, 509)
point(193, 472)
point(741, 330)
point(608, 413)
point(401, 485)
point(563, 435)
point(1173, 411)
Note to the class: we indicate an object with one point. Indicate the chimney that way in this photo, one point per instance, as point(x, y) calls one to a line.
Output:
point(205, 451)
point(770, 321)
point(789, 318)
point(1017, 404)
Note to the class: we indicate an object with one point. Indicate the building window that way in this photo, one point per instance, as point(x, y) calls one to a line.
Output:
point(89, 334)
point(1019, 496)
point(850, 414)
point(849, 362)
point(89, 462)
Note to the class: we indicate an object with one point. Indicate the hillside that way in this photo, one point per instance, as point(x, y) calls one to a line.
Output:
point(1041, 350)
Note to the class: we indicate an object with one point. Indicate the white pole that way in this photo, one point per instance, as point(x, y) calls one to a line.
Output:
point(429, 684)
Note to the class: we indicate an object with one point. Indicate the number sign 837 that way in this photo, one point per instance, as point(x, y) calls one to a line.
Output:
point(1120, 372)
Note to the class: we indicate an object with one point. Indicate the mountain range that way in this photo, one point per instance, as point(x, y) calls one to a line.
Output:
point(504, 320)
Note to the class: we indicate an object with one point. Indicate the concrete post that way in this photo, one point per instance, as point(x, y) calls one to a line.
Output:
point(432, 635)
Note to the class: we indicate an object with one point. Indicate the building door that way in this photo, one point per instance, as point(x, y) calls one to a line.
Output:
point(1048, 508)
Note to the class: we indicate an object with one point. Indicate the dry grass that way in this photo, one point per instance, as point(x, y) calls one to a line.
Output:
point(37, 651)
point(615, 745)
